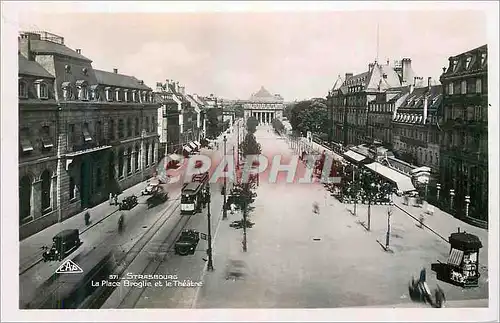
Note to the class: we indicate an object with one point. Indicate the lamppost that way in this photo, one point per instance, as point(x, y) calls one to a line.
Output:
point(467, 202)
point(210, 265)
point(224, 210)
point(370, 195)
point(354, 185)
point(238, 146)
point(245, 219)
point(438, 187)
point(388, 234)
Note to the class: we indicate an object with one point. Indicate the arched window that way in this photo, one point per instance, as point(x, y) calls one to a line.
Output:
point(24, 199)
point(153, 124)
point(23, 90)
point(137, 130)
point(43, 90)
point(129, 127)
point(129, 161)
point(120, 163)
point(153, 153)
point(136, 157)
point(121, 132)
point(147, 155)
point(45, 190)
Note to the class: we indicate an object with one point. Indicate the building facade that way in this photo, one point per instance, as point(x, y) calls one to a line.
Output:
point(264, 106)
point(106, 135)
point(464, 141)
point(415, 129)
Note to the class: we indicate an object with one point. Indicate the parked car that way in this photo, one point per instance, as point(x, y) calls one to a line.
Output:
point(64, 243)
point(128, 203)
point(151, 188)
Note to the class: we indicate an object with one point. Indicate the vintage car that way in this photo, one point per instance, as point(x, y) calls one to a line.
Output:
point(128, 203)
point(151, 188)
point(157, 198)
point(187, 242)
point(64, 243)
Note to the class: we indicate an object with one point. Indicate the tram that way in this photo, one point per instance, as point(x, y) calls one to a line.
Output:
point(194, 194)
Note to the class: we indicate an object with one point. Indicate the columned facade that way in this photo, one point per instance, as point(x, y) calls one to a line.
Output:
point(264, 106)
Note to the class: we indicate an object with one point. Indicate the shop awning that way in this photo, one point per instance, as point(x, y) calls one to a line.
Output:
point(193, 145)
point(354, 155)
point(402, 181)
point(47, 141)
point(188, 149)
point(26, 145)
point(87, 151)
point(87, 136)
point(197, 143)
point(421, 169)
point(455, 257)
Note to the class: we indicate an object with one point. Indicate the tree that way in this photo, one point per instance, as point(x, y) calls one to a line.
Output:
point(239, 111)
point(250, 146)
point(277, 126)
point(310, 115)
point(213, 123)
point(252, 124)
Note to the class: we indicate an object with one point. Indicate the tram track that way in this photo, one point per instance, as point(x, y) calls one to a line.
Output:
point(96, 299)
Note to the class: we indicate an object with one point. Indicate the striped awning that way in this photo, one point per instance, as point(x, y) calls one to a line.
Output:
point(192, 145)
point(354, 155)
point(188, 149)
point(455, 257)
point(197, 143)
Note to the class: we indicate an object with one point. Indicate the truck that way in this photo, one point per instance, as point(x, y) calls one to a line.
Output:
point(187, 242)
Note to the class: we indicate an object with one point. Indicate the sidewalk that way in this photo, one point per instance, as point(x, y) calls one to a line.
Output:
point(30, 248)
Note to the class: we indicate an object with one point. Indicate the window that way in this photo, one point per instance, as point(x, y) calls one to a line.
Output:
point(483, 58)
point(478, 85)
point(109, 94)
point(23, 90)
point(137, 130)
point(46, 138)
point(129, 161)
point(146, 126)
point(450, 88)
point(25, 199)
point(134, 95)
point(467, 62)
point(127, 95)
point(153, 124)
point(83, 93)
point(42, 89)
point(457, 88)
point(111, 129)
point(120, 129)
point(463, 88)
point(67, 91)
point(118, 95)
point(71, 188)
point(71, 134)
point(147, 155)
point(120, 163)
point(129, 127)
point(86, 133)
point(25, 140)
point(98, 131)
point(45, 178)
point(94, 92)
point(136, 157)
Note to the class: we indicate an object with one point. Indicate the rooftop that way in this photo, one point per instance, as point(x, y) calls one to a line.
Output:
point(27, 67)
point(47, 43)
point(119, 80)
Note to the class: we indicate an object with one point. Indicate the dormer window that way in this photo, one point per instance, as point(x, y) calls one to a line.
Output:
point(150, 97)
point(467, 62)
point(42, 89)
point(109, 94)
point(67, 91)
point(127, 95)
point(117, 95)
point(25, 140)
point(454, 65)
point(23, 89)
point(94, 92)
point(86, 133)
point(83, 92)
point(483, 58)
point(143, 96)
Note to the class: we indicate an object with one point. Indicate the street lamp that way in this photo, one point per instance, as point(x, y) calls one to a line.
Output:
point(370, 196)
point(210, 265)
point(438, 187)
point(467, 203)
point(224, 210)
point(452, 195)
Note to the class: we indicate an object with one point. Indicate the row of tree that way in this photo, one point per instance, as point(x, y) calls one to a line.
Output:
point(278, 126)
point(309, 115)
point(249, 145)
point(215, 123)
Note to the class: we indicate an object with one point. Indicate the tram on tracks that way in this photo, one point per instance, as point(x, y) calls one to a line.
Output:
point(194, 194)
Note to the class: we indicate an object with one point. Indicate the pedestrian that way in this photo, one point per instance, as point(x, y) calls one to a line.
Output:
point(233, 208)
point(87, 217)
point(116, 199)
point(121, 222)
point(421, 221)
point(315, 208)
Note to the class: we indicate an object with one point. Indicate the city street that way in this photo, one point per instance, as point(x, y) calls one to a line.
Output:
point(299, 259)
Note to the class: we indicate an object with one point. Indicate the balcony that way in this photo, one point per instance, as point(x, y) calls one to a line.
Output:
point(88, 146)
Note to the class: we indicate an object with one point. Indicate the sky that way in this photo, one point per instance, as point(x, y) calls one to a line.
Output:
point(232, 54)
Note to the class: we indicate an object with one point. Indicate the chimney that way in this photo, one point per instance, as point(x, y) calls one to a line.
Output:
point(348, 75)
point(141, 82)
point(426, 103)
point(370, 67)
point(406, 69)
point(115, 70)
point(415, 81)
point(429, 83)
point(159, 87)
point(78, 51)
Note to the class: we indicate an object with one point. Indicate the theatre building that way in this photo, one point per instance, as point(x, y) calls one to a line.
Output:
point(102, 126)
